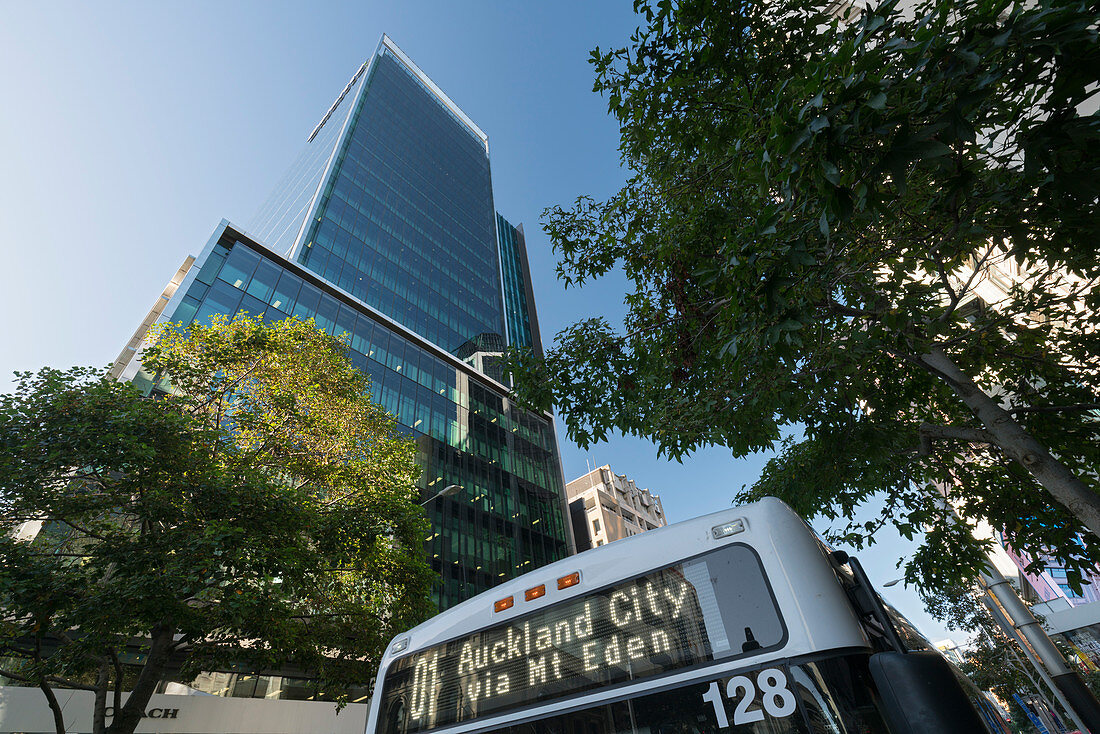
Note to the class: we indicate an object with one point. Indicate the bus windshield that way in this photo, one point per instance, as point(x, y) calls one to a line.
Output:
point(832, 695)
point(717, 606)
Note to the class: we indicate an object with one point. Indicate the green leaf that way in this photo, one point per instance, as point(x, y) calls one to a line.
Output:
point(928, 149)
point(848, 176)
point(266, 483)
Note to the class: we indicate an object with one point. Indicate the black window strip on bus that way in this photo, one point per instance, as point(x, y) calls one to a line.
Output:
point(495, 725)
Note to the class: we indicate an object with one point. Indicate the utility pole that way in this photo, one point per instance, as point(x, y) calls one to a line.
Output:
point(1002, 621)
point(1022, 626)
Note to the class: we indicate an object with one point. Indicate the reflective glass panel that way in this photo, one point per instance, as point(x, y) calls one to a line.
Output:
point(831, 696)
point(407, 221)
point(239, 267)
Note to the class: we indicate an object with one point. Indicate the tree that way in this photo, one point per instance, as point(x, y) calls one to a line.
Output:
point(814, 207)
point(262, 511)
point(993, 664)
point(991, 660)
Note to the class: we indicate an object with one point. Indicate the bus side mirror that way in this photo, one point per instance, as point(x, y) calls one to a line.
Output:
point(921, 695)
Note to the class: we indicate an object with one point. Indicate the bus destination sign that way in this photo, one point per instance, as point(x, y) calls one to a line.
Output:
point(671, 618)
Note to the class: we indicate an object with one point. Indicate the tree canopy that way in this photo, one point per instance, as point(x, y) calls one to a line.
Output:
point(258, 510)
point(872, 232)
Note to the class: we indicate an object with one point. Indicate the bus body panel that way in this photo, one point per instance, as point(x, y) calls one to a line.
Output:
point(815, 610)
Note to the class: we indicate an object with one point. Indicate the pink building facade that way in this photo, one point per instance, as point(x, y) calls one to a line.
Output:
point(1050, 583)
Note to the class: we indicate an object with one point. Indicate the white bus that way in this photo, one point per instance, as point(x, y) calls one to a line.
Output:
point(739, 621)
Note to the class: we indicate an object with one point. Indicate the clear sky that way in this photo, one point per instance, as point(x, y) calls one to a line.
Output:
point(129, 130)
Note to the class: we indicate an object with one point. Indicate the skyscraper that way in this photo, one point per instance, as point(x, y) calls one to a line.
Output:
point(385, 229)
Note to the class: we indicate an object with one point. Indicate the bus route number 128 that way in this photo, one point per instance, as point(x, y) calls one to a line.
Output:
point(776, 697)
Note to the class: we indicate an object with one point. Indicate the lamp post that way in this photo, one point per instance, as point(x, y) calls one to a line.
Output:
point(1020, 625)
point(449, 491)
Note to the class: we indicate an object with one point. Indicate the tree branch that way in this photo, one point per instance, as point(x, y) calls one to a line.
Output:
point(1011, 437)
point(713, 305)
point(20, 678)
point(70, 683)
point(79, 529)
point(1056, 408)
point(979, 267)
point(118, 678)
point(930, 432)
point(835, 306)
point(99, 707)
point(127, 718)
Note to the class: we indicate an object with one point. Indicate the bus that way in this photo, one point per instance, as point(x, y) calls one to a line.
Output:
point(737, 622)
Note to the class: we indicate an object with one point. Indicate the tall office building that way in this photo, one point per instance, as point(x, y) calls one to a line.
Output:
point(385, 229)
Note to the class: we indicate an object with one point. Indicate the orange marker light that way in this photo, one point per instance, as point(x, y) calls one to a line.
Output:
point(571, 580)
point(535, 593)
point(505, 603)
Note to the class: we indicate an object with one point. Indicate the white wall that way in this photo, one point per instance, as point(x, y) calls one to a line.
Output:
point(25, 710)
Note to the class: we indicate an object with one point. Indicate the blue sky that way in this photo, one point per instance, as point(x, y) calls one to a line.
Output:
point(129, 130)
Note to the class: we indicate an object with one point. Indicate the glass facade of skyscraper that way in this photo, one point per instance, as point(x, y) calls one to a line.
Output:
point(406, 221)
point(283, 217)
point(516, 279)
point(385, 231)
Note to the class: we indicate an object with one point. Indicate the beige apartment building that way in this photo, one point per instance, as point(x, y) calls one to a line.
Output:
point(605, 506)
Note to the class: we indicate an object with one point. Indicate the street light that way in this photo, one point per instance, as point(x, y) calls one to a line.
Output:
point(449, 491)
point(895, 582)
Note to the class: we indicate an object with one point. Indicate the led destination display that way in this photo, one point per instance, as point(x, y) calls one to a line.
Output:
point(709, 608)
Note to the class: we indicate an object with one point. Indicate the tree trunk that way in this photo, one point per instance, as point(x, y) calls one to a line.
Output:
point(99, 708)
point(129, 716)
point(119, 680)
point(1018, 444)
point(51, 699)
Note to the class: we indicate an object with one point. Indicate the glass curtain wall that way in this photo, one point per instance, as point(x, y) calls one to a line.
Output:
point(515, 277)
point(509, 518)
point(279, 220)
point(406, 222)
point(393, 200)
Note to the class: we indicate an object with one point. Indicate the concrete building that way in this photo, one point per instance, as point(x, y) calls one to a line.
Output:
point(605, 506)
point(950, 650)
